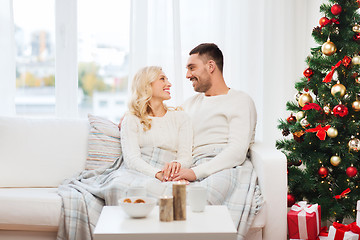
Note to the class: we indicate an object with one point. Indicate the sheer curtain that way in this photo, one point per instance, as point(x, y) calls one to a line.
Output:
point(7, 59)
point(264, 44)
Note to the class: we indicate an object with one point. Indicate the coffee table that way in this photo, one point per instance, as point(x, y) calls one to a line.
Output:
point(213, 224)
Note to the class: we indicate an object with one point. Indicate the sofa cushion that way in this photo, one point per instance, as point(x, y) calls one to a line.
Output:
point(29, 209)
point(104, 143)
point(41, 152)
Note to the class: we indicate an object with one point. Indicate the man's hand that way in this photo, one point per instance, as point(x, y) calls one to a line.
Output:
point(185, 173)
point(170, 169)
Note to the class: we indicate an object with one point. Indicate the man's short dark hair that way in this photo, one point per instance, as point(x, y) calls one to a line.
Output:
point(211, 52)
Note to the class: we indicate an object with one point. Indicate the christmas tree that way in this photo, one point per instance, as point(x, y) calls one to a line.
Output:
point(321, 134)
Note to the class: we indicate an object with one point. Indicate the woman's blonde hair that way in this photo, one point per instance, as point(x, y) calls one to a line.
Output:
point(141, 93)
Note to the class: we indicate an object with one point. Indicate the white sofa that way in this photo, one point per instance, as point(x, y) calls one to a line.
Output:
point(37, 155)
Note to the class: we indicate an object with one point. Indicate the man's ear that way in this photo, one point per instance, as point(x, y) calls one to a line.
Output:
point(211, 66)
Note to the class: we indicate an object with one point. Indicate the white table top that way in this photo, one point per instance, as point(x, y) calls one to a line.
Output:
point(213, 224)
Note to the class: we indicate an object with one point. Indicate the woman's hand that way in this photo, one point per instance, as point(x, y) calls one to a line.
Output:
point(170, 169)
point(160, 176)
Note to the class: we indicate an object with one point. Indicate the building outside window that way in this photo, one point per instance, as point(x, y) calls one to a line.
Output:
point(103, 57)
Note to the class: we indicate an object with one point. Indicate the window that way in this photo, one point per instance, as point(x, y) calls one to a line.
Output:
point(35, 57)
point(103, 55)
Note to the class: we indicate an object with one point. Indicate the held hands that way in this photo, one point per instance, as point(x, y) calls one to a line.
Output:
point(185, 174)
point(172, 172)
point(170, 169)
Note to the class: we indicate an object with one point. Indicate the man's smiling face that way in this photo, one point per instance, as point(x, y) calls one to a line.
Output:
point(197, 73)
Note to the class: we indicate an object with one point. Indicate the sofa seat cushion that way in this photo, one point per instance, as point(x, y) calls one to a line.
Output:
point(34, 209)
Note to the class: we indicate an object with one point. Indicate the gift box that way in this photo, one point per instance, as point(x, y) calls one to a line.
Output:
point(344, 232)
point(304, 221)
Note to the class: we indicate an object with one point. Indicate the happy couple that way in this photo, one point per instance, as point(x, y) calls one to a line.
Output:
point(207, 142)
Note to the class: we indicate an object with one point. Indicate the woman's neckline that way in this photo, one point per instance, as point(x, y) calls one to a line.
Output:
point(166, 112)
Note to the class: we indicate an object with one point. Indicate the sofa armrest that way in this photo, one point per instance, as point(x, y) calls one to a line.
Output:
point(271, 168)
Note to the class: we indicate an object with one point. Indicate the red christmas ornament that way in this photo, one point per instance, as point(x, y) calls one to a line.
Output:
point(336, 9)
point(351, 171)
point(291, 119)
point(323, 172)
point(323, 21)
point(308, 73)
point(340, 110)
point(356, 37)
point(290, 200)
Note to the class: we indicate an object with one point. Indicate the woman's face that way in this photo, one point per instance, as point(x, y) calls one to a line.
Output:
point(161, 88)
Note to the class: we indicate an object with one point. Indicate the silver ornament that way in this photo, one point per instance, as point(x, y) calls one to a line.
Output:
point(356, 28)
point(297, 96)
point(304, 123)
point(354, 144)
point(327, 109)
point(346, 96)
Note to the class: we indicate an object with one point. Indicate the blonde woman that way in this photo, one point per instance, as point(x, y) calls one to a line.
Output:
point(156, 140)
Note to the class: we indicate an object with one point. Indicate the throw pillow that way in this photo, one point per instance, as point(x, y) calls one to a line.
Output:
point(104, 143)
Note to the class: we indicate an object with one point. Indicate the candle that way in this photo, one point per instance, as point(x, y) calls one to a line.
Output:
point(179, 194)
point(166, 211)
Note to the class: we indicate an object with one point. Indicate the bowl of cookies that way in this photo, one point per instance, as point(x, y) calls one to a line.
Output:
point(137, 207)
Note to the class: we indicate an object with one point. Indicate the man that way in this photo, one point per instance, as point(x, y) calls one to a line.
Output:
point(224, 119)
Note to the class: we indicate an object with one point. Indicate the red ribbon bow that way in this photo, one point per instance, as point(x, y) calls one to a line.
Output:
point(309, 106)
point(354, 228)
point(343, 194)
point(331, 73)
point(341, 227)
point(320, 131)
point(327, 21)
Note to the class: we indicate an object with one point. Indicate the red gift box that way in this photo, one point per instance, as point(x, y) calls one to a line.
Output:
point(304, 221)
point(339, 231)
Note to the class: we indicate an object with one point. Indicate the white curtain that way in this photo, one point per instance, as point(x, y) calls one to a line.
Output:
point(264, 44)
point(7, 59)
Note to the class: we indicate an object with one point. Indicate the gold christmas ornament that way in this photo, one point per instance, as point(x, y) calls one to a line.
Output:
point(332, 132)
point(338, 88)
point(299, 115)
point(328, 48)
point(356, 105)
point(356, 28)
point(305, 98)
point(356, 60)
point(335, 160)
